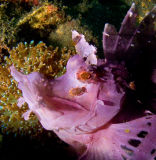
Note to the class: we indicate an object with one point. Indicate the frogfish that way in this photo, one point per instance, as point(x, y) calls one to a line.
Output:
point(95, 105)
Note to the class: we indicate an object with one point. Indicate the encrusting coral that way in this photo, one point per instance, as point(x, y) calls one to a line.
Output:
point(28, 58)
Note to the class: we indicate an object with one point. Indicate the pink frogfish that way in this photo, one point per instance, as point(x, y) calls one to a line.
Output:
point(87, 107)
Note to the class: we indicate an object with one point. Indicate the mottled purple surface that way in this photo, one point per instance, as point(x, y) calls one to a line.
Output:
point(115, 43)
point(88, 107)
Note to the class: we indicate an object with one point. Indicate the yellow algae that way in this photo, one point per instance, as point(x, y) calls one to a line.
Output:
point(62, 35)
point(30, 58)
point(3, 50)
point(27, 58)
point(44, 16)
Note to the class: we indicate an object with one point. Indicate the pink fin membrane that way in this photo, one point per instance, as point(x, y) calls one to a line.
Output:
point(133, 140)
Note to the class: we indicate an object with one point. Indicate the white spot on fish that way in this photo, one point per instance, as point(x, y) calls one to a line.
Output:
point(132, 45)
point(130, 14)
point(106, 34)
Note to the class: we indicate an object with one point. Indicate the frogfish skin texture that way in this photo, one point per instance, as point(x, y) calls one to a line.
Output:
point(87, 106)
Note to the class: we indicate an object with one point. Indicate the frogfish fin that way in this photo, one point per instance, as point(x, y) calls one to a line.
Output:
point(115, 43)
point(135, 140)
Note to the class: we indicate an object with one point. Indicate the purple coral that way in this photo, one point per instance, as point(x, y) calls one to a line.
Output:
point(86, 106)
